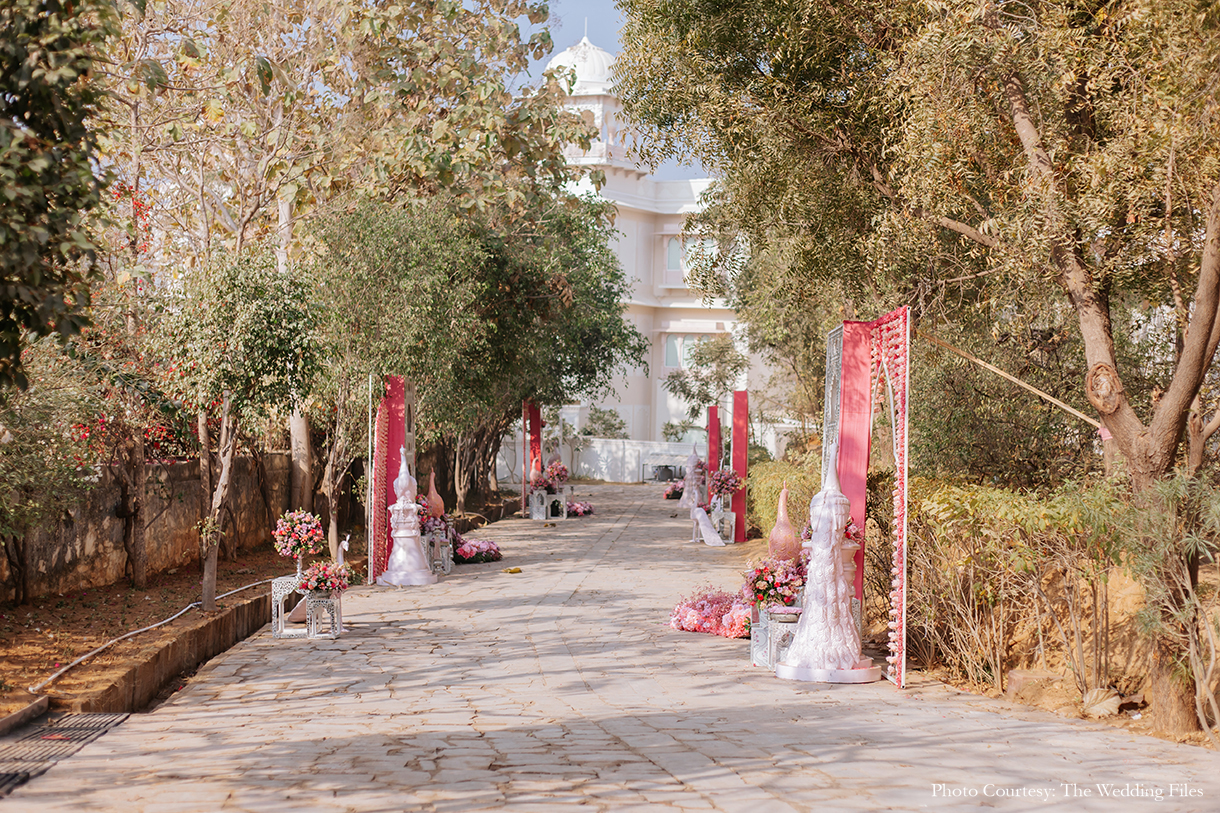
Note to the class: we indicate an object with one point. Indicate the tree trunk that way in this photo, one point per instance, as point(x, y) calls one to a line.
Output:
point(132, 473)
point(205, 483)
point(14, 551)
point(302, 462)
point(264, 488)
point(1173, 698)
point(332, 485)
point(220, 498)
point(1149, 451)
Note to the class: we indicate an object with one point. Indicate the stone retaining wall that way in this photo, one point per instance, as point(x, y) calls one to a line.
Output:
point(85, 549)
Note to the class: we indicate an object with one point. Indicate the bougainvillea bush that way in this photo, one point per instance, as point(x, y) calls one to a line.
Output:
point(774, 581)
point(473, 551)
point(713, 611)
point(297, 534)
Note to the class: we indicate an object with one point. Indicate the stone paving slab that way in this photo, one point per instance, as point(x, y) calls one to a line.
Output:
point(563, 688)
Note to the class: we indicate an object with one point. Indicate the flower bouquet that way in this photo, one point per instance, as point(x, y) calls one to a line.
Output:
point(712, 611)
point(674, 490)
point(724, 483)
point(580, 509)
point(473, 551)
point(297, 534)
point(557, 473)
point(326, 577)
point(774, 581)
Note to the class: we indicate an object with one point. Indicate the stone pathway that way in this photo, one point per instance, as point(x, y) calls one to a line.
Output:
point(563, 686)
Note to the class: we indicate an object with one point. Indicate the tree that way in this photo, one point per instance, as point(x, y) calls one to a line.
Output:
point(402, 300)
point(605, 423)
point(238, 339)
point(552, 294)
point(47, 168)
point(977, 150)
point(711, 373)
point(250, 119)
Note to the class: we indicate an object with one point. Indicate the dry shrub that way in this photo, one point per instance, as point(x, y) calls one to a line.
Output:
point(985, 563)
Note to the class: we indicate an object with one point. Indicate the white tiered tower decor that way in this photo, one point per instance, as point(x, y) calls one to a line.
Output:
point(826, 644)
point(408, 563)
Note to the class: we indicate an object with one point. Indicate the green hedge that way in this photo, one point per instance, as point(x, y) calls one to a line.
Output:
point(763, 485)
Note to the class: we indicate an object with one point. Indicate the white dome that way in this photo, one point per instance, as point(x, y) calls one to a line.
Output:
point(592, 66)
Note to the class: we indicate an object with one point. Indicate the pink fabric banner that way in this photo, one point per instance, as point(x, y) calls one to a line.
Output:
point(855, 428)
point(387, 457)
point(741, 452)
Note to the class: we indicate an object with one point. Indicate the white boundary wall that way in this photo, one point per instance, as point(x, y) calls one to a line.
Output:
point(608, 459)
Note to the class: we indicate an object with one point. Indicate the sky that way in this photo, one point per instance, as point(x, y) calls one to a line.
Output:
point(568, 24)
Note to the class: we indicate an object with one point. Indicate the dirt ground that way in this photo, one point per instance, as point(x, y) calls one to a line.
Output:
point(36, 639)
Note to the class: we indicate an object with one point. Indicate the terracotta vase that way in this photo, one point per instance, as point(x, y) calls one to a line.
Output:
point(783, 542)
point(436, 506)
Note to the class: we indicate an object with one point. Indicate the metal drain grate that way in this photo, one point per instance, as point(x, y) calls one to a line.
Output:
point(38, 749)
point(98, 721)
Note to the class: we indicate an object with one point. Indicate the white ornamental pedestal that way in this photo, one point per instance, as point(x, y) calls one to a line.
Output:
point(825, 645)
point(408, 564)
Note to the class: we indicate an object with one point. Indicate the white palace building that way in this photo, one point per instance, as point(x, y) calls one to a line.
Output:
point(650, 217)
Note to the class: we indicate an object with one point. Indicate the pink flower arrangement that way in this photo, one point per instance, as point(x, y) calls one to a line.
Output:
point(557, 473)
point(674, 490)
point(713, 611)
point(580, 509)
point(723, 483)
point(326, 576)
point(473, 551)
point(297, 533)
point(774, 581)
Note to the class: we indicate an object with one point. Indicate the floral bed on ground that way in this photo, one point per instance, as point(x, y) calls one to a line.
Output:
point(713, 611)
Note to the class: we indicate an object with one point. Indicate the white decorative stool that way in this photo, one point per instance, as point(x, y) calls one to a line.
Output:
point(760, 629)
point(538, 506)
point(440, 552)
point(557, 505)
point(281, 588)
point(322, 601)
point(781, 631)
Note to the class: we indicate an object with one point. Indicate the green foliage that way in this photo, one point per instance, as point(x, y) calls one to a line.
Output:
point(712, 371)
point(47, 169)
point(764, 483)
point(605, 423)
point(44, 459)
point(676, 431)
point(478, 315)
point(241, 328)
point(957, 158)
